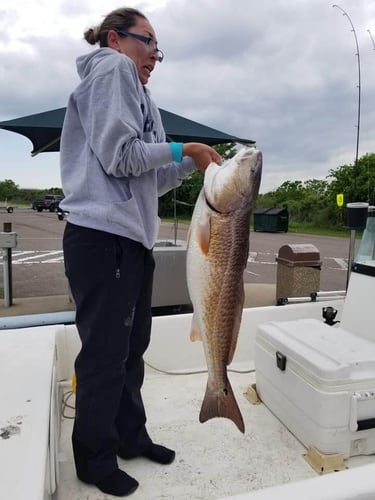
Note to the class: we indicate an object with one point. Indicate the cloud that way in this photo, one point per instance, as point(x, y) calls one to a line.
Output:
point(281, 73)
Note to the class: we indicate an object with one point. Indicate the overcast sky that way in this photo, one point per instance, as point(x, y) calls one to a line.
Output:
point(281, 72)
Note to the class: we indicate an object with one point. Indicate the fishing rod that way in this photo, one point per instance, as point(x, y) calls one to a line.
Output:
point(359, 99)
point(372, 39)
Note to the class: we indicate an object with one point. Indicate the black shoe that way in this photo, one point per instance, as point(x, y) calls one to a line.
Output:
point(155, 452)
point(118, 483)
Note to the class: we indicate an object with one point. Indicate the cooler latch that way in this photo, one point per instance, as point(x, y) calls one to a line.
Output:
point(280, 361)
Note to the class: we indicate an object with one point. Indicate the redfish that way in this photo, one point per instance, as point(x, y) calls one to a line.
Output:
point(217, 253)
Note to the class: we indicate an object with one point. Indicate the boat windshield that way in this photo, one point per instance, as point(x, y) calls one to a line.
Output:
point(364, 261)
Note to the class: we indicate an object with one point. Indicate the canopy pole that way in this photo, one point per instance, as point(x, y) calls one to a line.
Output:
point(46, 146)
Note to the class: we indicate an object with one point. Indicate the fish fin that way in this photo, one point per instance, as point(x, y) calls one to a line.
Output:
point(221, 404)
point(195, 333)
point(204, 233)
point(236, 325)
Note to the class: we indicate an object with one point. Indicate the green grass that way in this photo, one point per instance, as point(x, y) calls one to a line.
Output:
point(306, 228)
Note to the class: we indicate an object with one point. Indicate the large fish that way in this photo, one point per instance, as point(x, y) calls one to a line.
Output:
point(217, 253)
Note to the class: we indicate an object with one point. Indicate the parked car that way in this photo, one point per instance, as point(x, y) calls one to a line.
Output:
point(61, 214)
point(36, 203)
point(7, 207)
point(50, 202)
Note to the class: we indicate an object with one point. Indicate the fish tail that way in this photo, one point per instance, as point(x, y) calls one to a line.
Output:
point(221, 404)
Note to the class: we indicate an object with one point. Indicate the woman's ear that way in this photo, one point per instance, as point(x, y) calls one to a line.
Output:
point(112, 40)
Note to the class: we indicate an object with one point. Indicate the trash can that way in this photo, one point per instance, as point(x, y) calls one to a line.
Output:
point(356, 215)
point(298, 271)
point(272, 220)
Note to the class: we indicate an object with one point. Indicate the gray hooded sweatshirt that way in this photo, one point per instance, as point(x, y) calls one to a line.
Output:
point(113, 156)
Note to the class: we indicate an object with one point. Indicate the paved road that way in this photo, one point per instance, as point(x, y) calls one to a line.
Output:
point(38, 268)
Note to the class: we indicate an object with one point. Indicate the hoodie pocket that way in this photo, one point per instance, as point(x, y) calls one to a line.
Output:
point(124, 213)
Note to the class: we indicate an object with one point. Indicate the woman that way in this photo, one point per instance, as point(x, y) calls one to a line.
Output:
point(115, 162)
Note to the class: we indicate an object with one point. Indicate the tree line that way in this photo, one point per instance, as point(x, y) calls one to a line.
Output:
point(313, 201)
point(11, 192)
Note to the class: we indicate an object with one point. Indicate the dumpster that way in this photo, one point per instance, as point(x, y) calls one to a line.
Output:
point(271, 220)
point(298, 271)
point(260, 219)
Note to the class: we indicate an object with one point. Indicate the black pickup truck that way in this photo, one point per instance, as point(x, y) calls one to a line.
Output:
point(50, 202)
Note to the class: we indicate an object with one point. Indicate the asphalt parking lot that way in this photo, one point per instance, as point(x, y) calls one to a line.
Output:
point(38, 267)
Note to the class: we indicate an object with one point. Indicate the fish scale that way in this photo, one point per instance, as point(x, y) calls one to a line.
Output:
point(216, 258)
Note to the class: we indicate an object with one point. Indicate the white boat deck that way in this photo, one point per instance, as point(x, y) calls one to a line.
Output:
point(213, 460)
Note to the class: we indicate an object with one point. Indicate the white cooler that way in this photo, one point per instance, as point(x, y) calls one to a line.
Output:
point(319, 381)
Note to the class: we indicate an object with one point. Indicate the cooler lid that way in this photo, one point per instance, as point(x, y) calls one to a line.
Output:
point(327, 352)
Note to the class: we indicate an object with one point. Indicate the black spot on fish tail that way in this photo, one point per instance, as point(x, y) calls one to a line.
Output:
point(221, 404)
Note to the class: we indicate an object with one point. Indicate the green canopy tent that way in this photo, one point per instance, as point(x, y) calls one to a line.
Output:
point(44, 130)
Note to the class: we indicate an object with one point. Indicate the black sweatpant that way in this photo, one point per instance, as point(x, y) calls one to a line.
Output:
point(111, 282)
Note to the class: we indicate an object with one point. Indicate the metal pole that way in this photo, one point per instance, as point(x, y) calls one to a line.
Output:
point(175, 215)
point(372, 39)
point(351, 255)
point(359, 100)
point(10, 286)
point(7, 269)
point(5, 278)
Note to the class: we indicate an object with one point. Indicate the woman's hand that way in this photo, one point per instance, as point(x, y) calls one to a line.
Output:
point(202, 154)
